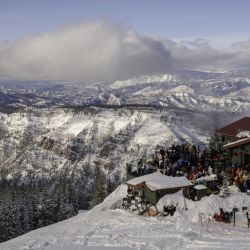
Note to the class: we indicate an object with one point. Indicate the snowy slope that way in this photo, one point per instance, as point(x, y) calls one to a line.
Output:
point(184, 89)
point(106, 228)
point(128, 121)
point(47, 141)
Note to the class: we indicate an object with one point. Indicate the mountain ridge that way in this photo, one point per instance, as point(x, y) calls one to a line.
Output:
point(209, 89)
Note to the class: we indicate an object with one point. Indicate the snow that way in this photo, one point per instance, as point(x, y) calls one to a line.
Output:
point(200, 187)
point(158, 181)
point(116, 229)
point(238, 142)
point(182, 89)
point(154, 131)
point(133, 134)
point(211, 177)
point(73, 126)
point(208, 205)
point(194, 90)
point(144, 79)
point(126, 134)
point(244, 133)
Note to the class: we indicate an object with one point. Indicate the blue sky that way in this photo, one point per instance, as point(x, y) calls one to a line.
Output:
point(176, 19)
point(119, 39)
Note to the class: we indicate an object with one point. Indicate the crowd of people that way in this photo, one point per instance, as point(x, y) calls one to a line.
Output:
point(189, 161)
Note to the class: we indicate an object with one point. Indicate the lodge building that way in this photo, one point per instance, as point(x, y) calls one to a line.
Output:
point(235, 139)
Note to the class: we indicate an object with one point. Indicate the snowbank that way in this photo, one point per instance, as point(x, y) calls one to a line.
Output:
point(103, 228)
point(114, 199)
point(207, 205)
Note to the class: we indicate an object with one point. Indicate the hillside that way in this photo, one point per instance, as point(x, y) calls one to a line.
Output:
point(43, 142)
point(183, 89)
point(107, 228)
point(66, 129)
point(53, 136)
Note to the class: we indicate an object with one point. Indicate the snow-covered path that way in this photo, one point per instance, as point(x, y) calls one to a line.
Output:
point(117, 229)
point(103, 228)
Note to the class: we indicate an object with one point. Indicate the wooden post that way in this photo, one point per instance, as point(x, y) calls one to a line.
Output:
point(156, 209)
point(248, 219)
point(234, 217)
point(234, 211)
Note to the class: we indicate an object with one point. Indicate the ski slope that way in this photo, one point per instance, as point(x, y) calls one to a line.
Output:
point(107, 228)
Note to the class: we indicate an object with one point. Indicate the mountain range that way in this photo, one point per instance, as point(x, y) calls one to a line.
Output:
point(201, 91)
point(49, 129)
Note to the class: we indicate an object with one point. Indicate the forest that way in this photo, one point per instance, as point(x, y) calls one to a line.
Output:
point(25, 207)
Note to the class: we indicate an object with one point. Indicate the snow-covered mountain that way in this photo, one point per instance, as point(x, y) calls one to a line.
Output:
point(37, 142)
point(193, 90)
point(57, 131)
point(72, 127)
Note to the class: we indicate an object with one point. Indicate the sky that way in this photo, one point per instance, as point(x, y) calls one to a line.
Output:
point(117, 39)
point(175, 19)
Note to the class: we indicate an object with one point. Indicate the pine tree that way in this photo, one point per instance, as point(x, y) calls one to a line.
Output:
point(99, 189)
point(65, 200)
point(46, 206)
point(110, 186)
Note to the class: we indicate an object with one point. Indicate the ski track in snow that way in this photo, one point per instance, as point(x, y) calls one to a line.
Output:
point(112, 232)
point(103, 228)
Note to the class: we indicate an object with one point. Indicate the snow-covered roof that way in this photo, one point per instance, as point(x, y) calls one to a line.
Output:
point(237, 143)
point(243, 134)
point(233, 128)
point(158, 181)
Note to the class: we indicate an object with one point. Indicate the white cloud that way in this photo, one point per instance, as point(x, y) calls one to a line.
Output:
point(90, 51)
point(104, 51)
point(200, 54)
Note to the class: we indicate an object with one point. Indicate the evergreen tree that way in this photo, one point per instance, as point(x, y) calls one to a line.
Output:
point(46, 206)
point(99, 189)
point(66, 200)
point(110, 186)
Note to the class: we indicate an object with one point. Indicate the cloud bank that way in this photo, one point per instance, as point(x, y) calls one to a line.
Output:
point(200, 54)
point(91, 51)
point(101, 51)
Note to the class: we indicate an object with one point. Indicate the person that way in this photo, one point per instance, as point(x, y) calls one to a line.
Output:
point(236, 181)
point(239, 172)
point(210, 170)
point(219, 217)
point(222, 214)
point(245, 182)
point(220, 178)
point(193, 175)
